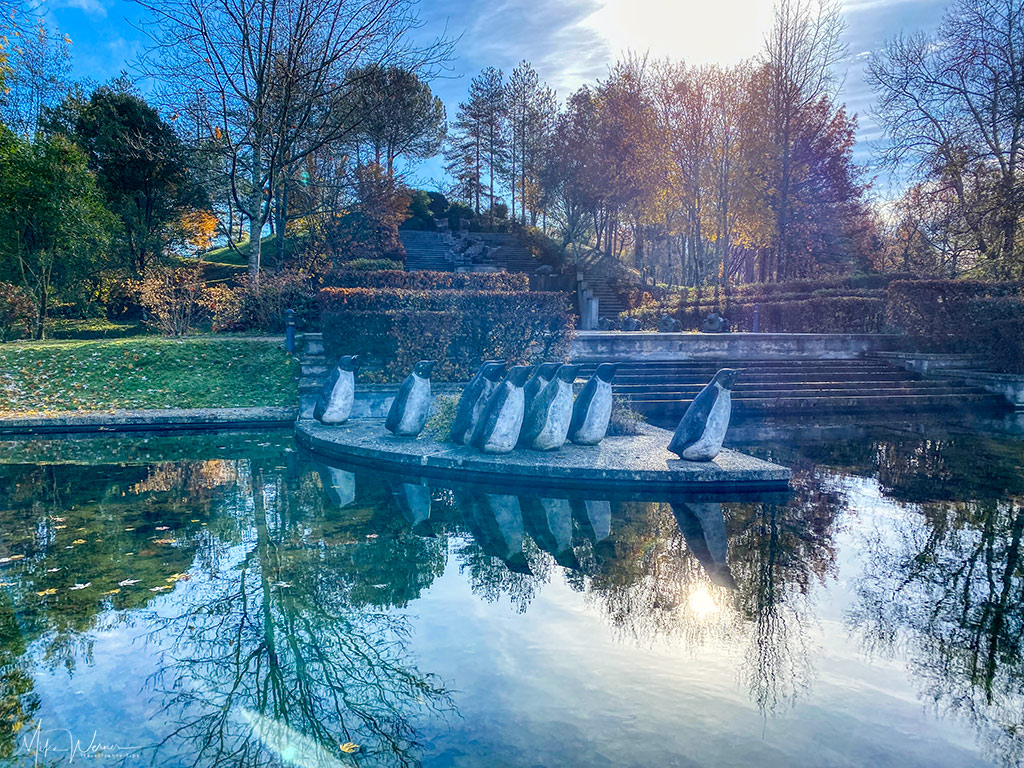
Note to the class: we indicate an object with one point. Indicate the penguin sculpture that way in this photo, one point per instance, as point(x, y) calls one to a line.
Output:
point(702, 429)
point(411, 406)
point(334, 405)
point(474, 399)
point(541, 376)
point(593, 407)
point(502, 419)
point(547, 422)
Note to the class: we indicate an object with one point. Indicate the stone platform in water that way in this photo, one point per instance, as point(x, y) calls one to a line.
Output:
point(634, 462)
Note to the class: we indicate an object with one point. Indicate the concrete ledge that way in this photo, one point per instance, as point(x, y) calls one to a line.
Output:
point(154, 419)
point(925, 363)
point(637, 462)
point(1009, 385)
point(592, 346)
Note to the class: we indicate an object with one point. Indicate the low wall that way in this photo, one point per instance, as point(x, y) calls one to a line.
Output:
point(592, 346)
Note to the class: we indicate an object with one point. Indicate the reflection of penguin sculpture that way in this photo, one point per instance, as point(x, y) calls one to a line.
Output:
point(593, 408)
point(549, 523)
point(334, 405)
point(339, 485)
point(474, 399)
point(541, 376)
point(547, 422)
point(413, 501)
point(703, 528)
point(496, 522)
point(499, 425)
point(411, 405)
point(702, 429)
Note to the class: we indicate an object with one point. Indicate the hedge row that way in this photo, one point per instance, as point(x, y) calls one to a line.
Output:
point(426, 280)
point(963, 316)
point(393, 328)
point(820, 314)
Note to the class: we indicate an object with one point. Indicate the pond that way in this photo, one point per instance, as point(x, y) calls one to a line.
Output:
point(223, 599)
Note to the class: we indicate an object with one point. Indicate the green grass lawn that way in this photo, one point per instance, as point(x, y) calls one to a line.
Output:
point(147, 372)
point(91, 328)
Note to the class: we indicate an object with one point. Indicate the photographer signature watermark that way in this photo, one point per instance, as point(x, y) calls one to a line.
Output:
point(61, 744)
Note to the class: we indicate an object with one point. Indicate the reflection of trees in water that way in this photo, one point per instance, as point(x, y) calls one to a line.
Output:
point(291, 635)
point(18, 701)
point(778, 553)
point(944, 591)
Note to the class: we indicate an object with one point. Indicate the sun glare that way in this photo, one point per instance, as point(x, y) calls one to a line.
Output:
point(696, 31)
point(702, 604)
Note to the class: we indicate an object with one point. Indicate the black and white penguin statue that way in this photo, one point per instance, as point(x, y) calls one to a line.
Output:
point(540, 378)
point(547, 422)
point(593, 407)
point(334, 405)
point(702, 429)
point(411, 406)
point(474, 399)
point(502, 419)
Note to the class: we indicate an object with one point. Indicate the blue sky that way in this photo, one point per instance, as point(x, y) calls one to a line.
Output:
point(568, 42)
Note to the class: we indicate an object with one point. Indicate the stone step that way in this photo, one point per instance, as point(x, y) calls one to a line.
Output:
point(782, 389)
point(655, 410)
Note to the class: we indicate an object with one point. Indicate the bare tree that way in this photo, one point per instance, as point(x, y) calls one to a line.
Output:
point(269, 80)
point(953, 107)
point(801, 51)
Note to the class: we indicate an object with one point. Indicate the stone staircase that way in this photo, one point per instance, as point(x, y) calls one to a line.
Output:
point(506, 252)
point(427, 251)
point(663, 390)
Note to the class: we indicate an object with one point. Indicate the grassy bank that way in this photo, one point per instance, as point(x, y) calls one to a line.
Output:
point(145, 372)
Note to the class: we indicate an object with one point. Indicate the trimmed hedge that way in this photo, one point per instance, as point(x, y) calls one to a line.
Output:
point(393, 328)
point(818, 314)
point(426, 280)
point(952, 315)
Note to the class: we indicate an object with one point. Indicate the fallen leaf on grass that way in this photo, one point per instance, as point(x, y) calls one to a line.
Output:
point(161, 588)
point(76, 542)
point(165, 541)
point(111, 592)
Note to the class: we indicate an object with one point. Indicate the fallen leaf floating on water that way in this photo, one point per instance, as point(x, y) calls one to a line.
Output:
point(111, 592)
point(45, 592)
point(77, 587)
point(161, 588)
point(165, 541)
point(177, 577)
point(348, 747)
point(76, 542)
point(127, 582)
point(163, 528)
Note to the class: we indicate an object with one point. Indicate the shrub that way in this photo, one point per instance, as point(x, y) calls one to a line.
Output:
point(625, 419)
point(1008, 340)
point(174, 298)
point(393, 328)
point(245, 308)
point(426, 280)
point(949, 314)
point(372, 265)
point(442, 417)
point(17, 312)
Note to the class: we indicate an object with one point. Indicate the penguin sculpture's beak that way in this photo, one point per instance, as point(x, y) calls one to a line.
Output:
point(730, 377)
point(426, 367)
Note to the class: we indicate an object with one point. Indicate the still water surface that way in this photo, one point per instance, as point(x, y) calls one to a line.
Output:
point(225, 600)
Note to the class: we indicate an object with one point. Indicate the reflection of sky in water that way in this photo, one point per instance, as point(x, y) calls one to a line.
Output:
point(647, 652)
